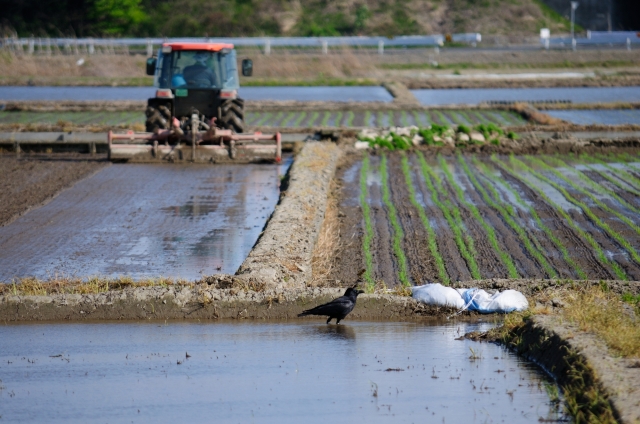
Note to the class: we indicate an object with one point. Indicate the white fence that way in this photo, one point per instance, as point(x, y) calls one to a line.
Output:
point(50, 46)
point(595, 38)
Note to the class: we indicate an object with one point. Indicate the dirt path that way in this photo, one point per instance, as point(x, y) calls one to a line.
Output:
point(30, 182)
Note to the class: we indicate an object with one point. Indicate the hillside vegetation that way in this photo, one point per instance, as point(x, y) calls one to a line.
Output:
point(216, 18)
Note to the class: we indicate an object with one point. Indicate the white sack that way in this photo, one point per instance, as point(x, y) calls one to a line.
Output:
point(501, 302)
point(439, 295)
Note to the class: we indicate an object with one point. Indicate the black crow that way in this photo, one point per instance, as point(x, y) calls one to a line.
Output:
point(337, 308)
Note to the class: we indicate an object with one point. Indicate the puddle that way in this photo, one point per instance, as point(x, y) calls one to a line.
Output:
point(145, 220)
point(602, 117)
point(334, 94)
point(264, 372)
point(574, 94)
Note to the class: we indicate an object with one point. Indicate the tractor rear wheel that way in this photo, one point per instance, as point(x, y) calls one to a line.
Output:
point(232, 115)
point(158, 118)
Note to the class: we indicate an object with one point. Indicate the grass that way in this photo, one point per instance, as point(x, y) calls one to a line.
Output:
point(431, 235)
point(585, 208)
point(508, 214)
point(452, 216)
point(368, 227)
point(532, 212)
point(505, 258)
point(599, 253)
point(398, 234)
point(93, 285)
point(602, 312)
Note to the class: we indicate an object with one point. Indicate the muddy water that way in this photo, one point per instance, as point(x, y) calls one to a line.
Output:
point(145, 220)
point(300, 371)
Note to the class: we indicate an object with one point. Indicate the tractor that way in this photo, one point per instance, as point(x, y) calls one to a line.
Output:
point(197, 106)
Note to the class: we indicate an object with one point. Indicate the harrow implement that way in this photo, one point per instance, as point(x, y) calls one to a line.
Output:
point(212, 145)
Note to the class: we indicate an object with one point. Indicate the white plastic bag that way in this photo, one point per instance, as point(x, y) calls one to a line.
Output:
point(501, 302)
point(439, 295)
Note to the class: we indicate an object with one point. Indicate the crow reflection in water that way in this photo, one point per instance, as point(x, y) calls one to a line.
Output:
point(337, 308)
point(336, 332)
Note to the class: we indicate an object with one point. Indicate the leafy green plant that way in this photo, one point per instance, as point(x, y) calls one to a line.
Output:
point(464, 129)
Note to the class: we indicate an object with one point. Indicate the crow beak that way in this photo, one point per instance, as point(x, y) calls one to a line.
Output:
point(360, 291)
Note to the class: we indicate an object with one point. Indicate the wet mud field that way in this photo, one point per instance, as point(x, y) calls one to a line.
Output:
point(140, 220)
point(411, 218)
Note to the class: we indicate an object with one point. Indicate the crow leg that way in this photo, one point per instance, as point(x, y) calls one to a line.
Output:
point(338, 321)
point(329, 320)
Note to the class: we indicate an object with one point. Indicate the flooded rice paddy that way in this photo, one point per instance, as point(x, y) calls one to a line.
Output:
point(333, 94)
point(473, 96)
point(145, 220)
point(304, 119)
point(414, 217)
point(602, 117)
point(300, 371)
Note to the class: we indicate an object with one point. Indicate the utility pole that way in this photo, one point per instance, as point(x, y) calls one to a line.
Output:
point(574, 6)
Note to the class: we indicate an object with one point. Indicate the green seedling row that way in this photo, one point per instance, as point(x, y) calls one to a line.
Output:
point(264, 119)
point(486, 172)
point(620, 273)
point(595, 186)
point(313, 119)
point(338, 120)
point(367, 119)
point(285, 122)
point(391, 118)
point(325, 119)
point(597, 201)
point(398, 234)
point(630, 161)
point(367, 240)
point(380, 119)
point(420, 118)
point(626, 176)
point(404, 119)
point(350, 117)
point(431, 234)
point(508, 214)
point(452, 216)
point(299, 120)
point(616, 180)
point(506, 259)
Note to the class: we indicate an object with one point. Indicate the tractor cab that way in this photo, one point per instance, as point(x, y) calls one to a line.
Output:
point(200, 76)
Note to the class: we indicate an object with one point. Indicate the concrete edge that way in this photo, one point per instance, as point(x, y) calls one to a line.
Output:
point(282, 256)
point(582, 364)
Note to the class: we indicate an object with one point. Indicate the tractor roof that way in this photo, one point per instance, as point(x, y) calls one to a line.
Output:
point(213, 47)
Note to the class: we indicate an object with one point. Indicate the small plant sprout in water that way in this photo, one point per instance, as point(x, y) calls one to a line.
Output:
point(474, 354)
point(374, 389)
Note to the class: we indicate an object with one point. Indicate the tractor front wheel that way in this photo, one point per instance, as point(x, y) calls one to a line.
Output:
point(158, 118)
point(232, 115)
